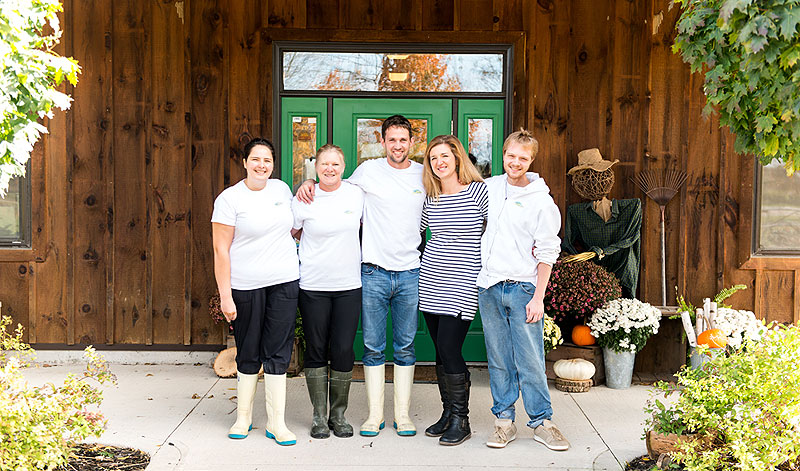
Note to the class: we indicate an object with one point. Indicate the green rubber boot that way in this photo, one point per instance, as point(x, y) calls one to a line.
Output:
point(340, 392)
point(317, 381)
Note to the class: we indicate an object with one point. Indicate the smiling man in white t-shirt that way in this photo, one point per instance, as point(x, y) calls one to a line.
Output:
point(393, 198)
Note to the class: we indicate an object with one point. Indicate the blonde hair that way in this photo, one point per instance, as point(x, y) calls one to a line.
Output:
point(524, 138)
point(329, 148)
point(465, 170)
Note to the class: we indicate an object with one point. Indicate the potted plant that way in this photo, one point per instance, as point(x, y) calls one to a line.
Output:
point(734, 325)
point(665, 428)
point(576, 290)
point(744, 407)
point(622, 327)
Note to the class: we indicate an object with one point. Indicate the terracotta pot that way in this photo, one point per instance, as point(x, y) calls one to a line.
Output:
point(660, 443)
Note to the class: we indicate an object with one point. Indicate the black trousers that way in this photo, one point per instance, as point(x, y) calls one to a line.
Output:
point(330, 320)
point(264, 327)
point(448, 334)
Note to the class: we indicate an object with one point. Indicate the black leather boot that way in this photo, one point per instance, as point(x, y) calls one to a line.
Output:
point(437, 429)
point(458, 428)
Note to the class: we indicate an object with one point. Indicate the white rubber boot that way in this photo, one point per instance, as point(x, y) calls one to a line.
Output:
point(403, 379)
point(374, 377)
point(275, 395)
point(245, 394)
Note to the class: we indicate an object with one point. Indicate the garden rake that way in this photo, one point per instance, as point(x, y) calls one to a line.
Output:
point(660, 186)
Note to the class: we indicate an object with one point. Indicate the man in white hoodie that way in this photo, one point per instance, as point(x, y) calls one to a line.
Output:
point(511, 287)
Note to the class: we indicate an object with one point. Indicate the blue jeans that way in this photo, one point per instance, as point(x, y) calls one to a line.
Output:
point(515, 350)
point(383, 291)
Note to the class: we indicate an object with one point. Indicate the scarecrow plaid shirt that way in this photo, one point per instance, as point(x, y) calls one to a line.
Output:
point(616, 241)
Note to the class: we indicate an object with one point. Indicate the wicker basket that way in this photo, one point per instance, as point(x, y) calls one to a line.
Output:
point(573, 385)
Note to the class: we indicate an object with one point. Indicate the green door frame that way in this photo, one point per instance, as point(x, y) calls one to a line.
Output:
point(300, 107)
point(344, 117)
point(346, 113)
point(483, 109)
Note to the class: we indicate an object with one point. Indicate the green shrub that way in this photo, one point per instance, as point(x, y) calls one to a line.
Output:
point(40, 424)
point(745, 403)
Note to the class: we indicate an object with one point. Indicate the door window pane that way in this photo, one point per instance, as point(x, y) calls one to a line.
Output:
point(368, 138)
point(393, 72)
point(480, 144)
point(780, 210)
point(304, 141)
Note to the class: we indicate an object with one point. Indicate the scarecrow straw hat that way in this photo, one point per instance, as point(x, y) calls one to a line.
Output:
point(591, 159)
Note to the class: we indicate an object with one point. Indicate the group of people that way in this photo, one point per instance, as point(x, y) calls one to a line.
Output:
point(493, 243)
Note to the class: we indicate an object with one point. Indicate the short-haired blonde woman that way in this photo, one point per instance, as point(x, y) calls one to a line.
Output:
point(330, 289)
point(454, 211)
point(511, 287)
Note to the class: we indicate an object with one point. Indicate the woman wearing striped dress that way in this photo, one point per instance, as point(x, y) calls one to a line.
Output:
point(454, 210)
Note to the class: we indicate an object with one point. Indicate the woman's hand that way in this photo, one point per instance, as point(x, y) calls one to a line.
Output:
point(228, 309)
point(305, 192)
point(534, 310)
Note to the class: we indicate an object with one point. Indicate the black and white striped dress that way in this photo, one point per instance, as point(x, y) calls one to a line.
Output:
point(452, 257)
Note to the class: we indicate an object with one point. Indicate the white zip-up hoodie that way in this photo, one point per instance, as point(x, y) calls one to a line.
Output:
point(519, 220)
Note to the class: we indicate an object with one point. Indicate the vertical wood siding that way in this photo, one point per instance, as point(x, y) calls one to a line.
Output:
point(170, 90)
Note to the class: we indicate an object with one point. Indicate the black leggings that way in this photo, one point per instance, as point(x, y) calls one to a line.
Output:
point(330, 320)
point(448, 334)
point(264, 327)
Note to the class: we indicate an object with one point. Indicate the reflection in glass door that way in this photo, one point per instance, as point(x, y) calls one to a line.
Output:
point(369, 145)
point(357, 125)
point(304, 130)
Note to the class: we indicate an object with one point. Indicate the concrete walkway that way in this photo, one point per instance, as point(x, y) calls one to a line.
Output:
point(180, 414)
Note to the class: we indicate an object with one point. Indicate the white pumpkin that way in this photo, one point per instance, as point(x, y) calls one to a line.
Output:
point(574, 369)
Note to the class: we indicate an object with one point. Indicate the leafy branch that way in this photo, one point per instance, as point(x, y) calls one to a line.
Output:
point(749, 52)
point(31, 72)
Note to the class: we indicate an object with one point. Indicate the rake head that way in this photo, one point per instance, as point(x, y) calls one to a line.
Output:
point(660, 185)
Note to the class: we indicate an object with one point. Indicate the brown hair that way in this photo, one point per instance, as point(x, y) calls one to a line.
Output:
point(396, 120)
point(465, 170)
point(524, 138)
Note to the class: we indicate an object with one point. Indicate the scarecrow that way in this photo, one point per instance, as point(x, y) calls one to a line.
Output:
point(608, 228)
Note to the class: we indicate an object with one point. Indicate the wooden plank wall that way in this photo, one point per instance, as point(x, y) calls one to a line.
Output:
point(170, 90)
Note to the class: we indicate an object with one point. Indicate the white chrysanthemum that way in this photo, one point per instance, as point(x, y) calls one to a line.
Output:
point(738, 325)
point(625, 315)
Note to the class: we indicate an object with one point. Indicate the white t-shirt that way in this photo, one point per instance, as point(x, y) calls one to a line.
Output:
point(392, 211)
point(330, 252)
point(263, 252)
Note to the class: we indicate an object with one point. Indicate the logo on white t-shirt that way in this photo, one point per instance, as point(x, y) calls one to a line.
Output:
point(417, 192)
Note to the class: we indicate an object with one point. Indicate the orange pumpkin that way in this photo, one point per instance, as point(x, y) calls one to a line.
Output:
point(714, 338)
point(582, 335)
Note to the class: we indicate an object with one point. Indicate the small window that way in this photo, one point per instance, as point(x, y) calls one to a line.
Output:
point(777, 215)
point(393, 72)
point(480, 144)
point(304, 148)
point(15, 214)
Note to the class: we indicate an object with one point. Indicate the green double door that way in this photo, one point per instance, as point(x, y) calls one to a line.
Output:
point(355, 126)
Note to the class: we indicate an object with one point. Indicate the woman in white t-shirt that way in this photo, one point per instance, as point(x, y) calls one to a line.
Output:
point(330, 289)
point(256, 267)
